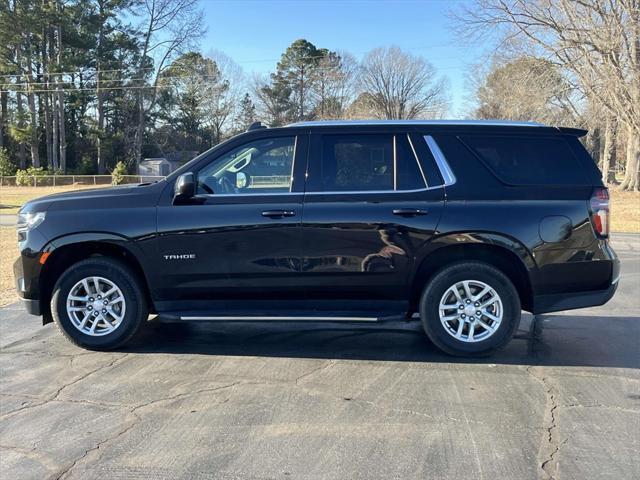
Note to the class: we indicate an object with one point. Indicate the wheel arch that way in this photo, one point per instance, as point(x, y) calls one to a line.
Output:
point(68, 250)
point(506, 254)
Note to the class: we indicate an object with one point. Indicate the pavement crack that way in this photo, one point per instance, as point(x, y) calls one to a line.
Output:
point(549, 445)
point(88, 374)
point(67, 471)
point(398, 410)
point(55, 396)
point(136, 419)
point(551, 462)
point(315, 370)
point(184, 395)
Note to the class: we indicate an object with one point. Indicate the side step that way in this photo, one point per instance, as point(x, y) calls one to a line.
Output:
point(324, 317)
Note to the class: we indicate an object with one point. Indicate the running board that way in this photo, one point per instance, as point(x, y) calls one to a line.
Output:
point(297, 318)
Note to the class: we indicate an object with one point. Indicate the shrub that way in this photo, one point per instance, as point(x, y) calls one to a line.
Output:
point(118, 173)
point(24, 178)
point(7, 168)
point(86, 166)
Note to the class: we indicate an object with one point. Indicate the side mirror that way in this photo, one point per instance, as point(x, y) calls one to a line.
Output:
point(185, 187)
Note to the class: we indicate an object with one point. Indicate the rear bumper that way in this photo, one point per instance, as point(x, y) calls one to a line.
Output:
point(570, 301)
point(579, 284)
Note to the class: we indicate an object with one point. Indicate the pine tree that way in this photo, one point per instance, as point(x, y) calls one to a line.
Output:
point(247, 113)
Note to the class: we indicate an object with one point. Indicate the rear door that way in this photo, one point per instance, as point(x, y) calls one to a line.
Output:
point(369, 206)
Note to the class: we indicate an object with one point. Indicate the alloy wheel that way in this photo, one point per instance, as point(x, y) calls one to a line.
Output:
point(96, 306)
point(470, 311)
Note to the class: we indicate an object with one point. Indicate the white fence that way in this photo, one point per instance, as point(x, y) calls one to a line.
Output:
point(70, 180)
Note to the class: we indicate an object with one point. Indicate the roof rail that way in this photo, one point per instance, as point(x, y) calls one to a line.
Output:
point(256, 126)
point(503, 123)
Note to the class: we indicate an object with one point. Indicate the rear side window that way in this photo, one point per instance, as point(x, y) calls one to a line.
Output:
point(364, 163)
point(408, 173)
point(534, 160)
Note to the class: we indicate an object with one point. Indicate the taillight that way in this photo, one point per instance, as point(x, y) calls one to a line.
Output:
point(599, 205)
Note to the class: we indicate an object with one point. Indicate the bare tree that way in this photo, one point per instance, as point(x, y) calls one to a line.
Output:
point(401, 85)
point(31, 102)
point(222, 99)
point(168, 28)
point(362, 108)
point(608, 151)
point(333, 84)
point(596, 41)
point(525, 88)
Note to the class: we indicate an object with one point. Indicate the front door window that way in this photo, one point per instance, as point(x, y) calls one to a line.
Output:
point(259, 167)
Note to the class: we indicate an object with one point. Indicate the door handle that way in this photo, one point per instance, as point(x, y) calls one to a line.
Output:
point(409, 212)
point(279, 213)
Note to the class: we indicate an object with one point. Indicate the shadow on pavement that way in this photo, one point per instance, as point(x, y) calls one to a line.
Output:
point(551, 340)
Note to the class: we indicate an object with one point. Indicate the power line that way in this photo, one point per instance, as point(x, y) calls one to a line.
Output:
point(54, 82)
point(318, 57)
point(75, 72)
point(53, 90)
point(173, 77)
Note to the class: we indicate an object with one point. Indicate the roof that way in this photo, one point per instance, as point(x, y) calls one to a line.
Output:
point(578, 132)
point(488, 123)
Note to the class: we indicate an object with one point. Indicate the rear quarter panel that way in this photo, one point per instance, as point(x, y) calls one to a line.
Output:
point(478, 203)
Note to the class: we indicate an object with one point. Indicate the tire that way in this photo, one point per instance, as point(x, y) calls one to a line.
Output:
point(454, 335)
point(123, 318)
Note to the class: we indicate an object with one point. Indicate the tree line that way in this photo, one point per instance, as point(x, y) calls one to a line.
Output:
point(567, 62)
point(85, 84)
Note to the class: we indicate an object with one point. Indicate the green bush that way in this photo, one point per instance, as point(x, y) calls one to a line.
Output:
point(118, 173)
point(24, 178)
point(7, 168)
point(86, 166)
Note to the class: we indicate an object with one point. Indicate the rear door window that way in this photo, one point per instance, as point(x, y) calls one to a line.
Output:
point(364, 163)
point(532, 160)
point(408, 172)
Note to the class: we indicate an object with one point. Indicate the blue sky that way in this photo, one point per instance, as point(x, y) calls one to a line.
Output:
point(255, 33)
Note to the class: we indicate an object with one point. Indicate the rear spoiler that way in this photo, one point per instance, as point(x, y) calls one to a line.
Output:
point(577, 132)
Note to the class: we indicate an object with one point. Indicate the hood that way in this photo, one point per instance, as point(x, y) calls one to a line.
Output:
point(89, 198)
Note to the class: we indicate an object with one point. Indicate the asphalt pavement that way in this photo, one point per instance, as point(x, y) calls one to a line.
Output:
point(327, 401)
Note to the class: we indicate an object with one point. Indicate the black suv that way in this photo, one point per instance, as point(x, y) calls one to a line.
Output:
point(465, 223)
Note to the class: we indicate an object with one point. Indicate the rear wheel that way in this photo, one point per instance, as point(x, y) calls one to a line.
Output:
point(98, 304)
point(470, 308)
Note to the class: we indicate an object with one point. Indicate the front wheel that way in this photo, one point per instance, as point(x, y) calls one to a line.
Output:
point(98, 304)
point(470, 308)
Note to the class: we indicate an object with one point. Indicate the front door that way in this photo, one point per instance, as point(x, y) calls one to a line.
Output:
point(368, 209)
point(240, 239)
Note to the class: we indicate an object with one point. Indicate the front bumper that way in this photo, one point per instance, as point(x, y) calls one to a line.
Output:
point(32, 306)
point(26, 272)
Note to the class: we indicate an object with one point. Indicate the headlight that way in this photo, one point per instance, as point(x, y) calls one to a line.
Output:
point(29, 221)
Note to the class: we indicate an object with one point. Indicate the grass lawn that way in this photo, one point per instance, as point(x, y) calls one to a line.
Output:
point(625, 211)
point(8, 253)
